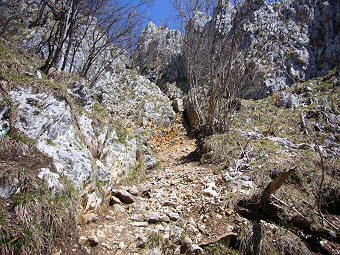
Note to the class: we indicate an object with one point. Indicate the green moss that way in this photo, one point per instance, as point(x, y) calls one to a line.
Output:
point(20, 138)
point(100, 184)
point(50, 142)
point(121, 131)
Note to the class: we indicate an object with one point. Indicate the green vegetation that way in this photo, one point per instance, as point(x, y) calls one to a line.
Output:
point(136, 176)
point(43, 217)
point(21, 138)
point(267, 158)
point(121, 132)
point(219, 249)
point(154, 240)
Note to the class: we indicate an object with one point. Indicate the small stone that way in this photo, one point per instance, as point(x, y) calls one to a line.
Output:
point(140, 224)
point(87, 250)
point(159, 228)
point(93, 241)
point(210, 190)
point(82, 240)
point(89, 217)
point(141, 241)
point(114, 200)
point(133, 191)
point(170, 204)
point(39, 75)
point(118, 209)
point(108, 217)
point(178, 105)
point(121, 245)
point(155, 251)
point(196, 249)
point(145, 191)
point(155, 218)
point(123, 196)
point(107, 246)
point(173, 216)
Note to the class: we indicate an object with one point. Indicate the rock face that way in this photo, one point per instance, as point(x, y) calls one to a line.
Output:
point(132, 96)
point(298, 54)
point(306, 35)
point(67, 139)
point(159, 54)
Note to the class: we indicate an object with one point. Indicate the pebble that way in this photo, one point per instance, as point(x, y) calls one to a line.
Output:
point(141, 241)
point(155, 218)
point(173, 216)
point(93, 240)
point(140, 224)
point(90, 217)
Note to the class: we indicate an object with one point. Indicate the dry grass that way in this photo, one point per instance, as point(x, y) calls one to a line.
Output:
point(299, 194)
point(267, 239)
point(33, 218)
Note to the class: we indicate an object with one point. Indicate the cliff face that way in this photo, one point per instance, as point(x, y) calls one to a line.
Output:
point(306, 35)
point(159, 54)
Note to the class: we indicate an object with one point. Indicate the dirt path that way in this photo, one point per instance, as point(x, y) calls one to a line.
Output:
point(182, 199)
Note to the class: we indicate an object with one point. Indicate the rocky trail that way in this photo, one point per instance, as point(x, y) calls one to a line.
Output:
point(183, 203)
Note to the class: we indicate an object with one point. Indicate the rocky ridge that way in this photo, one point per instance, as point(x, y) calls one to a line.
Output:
point(299, 57)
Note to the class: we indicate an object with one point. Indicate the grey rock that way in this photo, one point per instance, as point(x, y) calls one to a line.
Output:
point(159, 54)
point(155, 251)
point(52, 179)
point(156, 218)
point(178, 105)
point(133, 191)
point(89, 217)
point(173, 216)
point(286, 100)
point(140, 207)
point(195, 249)
point(150, 162)
point(4, 117)
point(141, 241)
point(93, 241)
point(119, 209)
point(210, 190)
point(123, 196)
point(140, 224)
point(114, 200)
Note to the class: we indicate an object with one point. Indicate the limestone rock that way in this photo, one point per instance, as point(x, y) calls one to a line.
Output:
point(156, 218)
point(210, 190)
point(173, 216)
point(93, 241)
point(159, 54)
point(141, 241)
point(123, 196)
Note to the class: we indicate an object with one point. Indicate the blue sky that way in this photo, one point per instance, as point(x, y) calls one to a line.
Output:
point(161, 12)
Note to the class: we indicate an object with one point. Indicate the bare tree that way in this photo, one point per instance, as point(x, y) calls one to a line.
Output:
point(106, 26)
point(219, 61)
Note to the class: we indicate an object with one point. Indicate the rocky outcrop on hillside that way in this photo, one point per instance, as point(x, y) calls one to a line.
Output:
point(297, 50)
point(159, 54)
point(89, 132)
point(304, 38)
